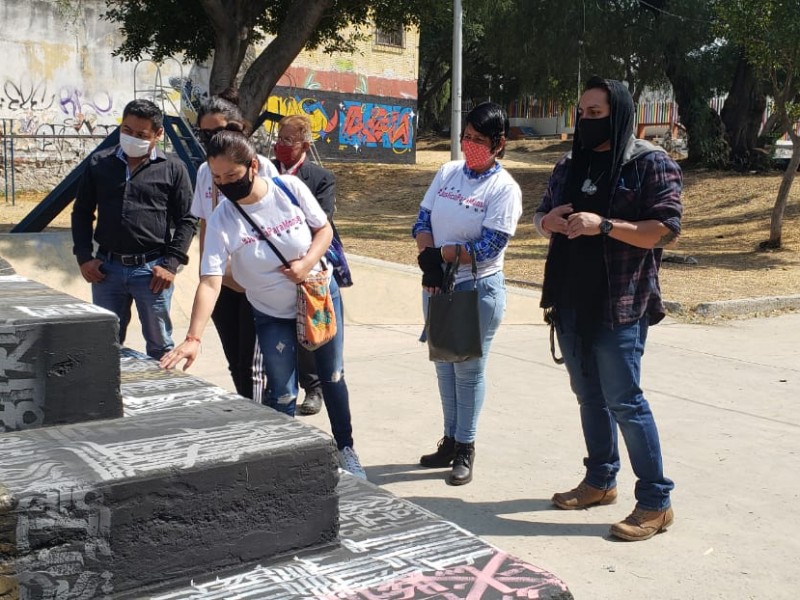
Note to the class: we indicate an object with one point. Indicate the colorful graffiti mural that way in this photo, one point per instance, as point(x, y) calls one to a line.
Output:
point(352, 127)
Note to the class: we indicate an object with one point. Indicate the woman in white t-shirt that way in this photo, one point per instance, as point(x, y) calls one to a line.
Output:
point(475, 204)
point(301, 232)
point(232, 316)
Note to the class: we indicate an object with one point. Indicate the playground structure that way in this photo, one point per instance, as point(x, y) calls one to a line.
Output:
point(178, 107)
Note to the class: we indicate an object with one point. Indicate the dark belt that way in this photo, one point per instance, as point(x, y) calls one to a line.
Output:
point(133, 260)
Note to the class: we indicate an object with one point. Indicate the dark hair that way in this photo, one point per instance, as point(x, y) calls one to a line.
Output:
point(231, 94)
point(217, 105)
point(234, 146)
point(145, 109)
point(491, 120)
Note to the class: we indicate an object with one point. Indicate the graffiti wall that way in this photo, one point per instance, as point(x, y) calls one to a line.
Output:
point(350, 127)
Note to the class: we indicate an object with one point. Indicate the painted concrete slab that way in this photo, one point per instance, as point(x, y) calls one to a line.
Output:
point(101, 508)
point(58, 357)
point(390, 549)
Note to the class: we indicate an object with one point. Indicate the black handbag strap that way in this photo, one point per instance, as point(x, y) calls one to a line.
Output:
point(452, 269)
point(260, 232)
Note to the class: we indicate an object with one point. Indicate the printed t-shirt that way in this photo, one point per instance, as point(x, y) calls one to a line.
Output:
point(461, 206)
point(254, 265)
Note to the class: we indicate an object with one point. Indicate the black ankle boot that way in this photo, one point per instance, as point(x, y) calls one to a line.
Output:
point(462, 464)
point(444, 455)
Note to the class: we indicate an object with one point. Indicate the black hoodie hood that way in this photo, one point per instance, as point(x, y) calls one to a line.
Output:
point(622, 120)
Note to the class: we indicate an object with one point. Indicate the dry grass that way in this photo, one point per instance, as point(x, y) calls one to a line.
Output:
point(726, 216)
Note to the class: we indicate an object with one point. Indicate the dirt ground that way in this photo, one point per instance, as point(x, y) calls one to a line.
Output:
point(726, 216)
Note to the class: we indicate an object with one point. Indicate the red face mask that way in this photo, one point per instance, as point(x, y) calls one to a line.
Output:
point(477, 155)
point(284, 154)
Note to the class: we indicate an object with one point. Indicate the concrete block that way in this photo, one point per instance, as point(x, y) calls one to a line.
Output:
point(102, 508)
point(146, 387)
point(390, 548)
point(59, 360)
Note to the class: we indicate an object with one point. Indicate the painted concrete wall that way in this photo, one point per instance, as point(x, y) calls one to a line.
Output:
point(62, 90)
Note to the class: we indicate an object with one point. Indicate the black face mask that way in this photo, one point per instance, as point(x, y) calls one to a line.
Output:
point(594, 132)
point(239, 189)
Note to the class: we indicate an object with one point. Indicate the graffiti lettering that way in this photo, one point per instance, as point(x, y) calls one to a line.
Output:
point(373, 124)
point(61, 310)
point(371, 128)
point(26, 95)
point(74, 102)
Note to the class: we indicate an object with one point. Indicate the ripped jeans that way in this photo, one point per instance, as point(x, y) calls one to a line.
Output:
point(277, 339)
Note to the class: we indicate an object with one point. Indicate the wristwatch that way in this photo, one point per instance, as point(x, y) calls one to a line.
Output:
point(606, 226)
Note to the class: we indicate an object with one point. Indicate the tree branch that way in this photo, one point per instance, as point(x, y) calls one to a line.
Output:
point(300, 23)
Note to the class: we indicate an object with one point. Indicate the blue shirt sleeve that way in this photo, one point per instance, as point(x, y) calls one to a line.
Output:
point(423, 223)
point(489, 245)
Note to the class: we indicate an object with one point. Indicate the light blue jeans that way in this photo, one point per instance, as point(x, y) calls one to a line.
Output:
point(606, 383)
point(121, 287)
point(277, 339)
point(462, 386)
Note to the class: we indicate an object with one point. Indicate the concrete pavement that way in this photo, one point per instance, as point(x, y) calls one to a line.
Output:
point(726, 402)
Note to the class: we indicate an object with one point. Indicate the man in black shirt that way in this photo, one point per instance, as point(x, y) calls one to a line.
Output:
point(142, 199)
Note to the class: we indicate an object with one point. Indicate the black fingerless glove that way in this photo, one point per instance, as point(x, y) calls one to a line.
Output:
point(429, 258)
point(433, 277)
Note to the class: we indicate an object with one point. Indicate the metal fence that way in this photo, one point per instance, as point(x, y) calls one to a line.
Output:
point(43, 158)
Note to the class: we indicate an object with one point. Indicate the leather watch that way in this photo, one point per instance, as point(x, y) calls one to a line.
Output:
point(606, 226)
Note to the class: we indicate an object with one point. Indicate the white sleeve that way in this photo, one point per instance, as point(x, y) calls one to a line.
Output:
point(313, 212)
point(201, 203)
point(504, 208)
point(215, 247)
point(433, 189)
point(265, 168)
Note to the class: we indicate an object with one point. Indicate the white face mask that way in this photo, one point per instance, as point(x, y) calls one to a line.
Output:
point(133, 146)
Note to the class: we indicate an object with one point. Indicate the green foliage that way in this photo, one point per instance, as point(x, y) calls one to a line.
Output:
point(481, 78)
point(769, 31)
point(162, 28)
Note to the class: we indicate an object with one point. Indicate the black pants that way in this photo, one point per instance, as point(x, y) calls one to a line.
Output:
point(306, 370)
point(233, 318)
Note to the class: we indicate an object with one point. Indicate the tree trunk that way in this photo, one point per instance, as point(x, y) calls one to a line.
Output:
point(301, 21)
point(742, 114)
point(776, 222)
point(705, 133)
point(704, 130)
point(231, 37)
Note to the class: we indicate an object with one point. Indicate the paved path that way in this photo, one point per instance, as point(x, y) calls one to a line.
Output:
point(726, 399)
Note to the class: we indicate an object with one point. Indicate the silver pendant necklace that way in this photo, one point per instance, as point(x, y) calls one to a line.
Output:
point(589, 187)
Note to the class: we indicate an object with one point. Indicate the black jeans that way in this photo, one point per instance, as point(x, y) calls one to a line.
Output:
point(307, 370)
point(233, 318)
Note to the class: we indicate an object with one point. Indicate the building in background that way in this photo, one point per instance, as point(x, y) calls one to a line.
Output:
point(62, 91)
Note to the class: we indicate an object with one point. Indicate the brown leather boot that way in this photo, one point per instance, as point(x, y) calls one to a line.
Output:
point(643, 524)
point(584, 496)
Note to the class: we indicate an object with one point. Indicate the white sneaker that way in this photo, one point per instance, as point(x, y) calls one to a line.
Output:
point(348, 460)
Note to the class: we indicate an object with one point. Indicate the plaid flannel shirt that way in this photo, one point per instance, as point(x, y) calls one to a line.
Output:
point(649, 188)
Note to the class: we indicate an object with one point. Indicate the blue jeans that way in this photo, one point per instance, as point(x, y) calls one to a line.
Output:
point(462, 386)
point(277, 339)
point(608, 392)
point(123, 285)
